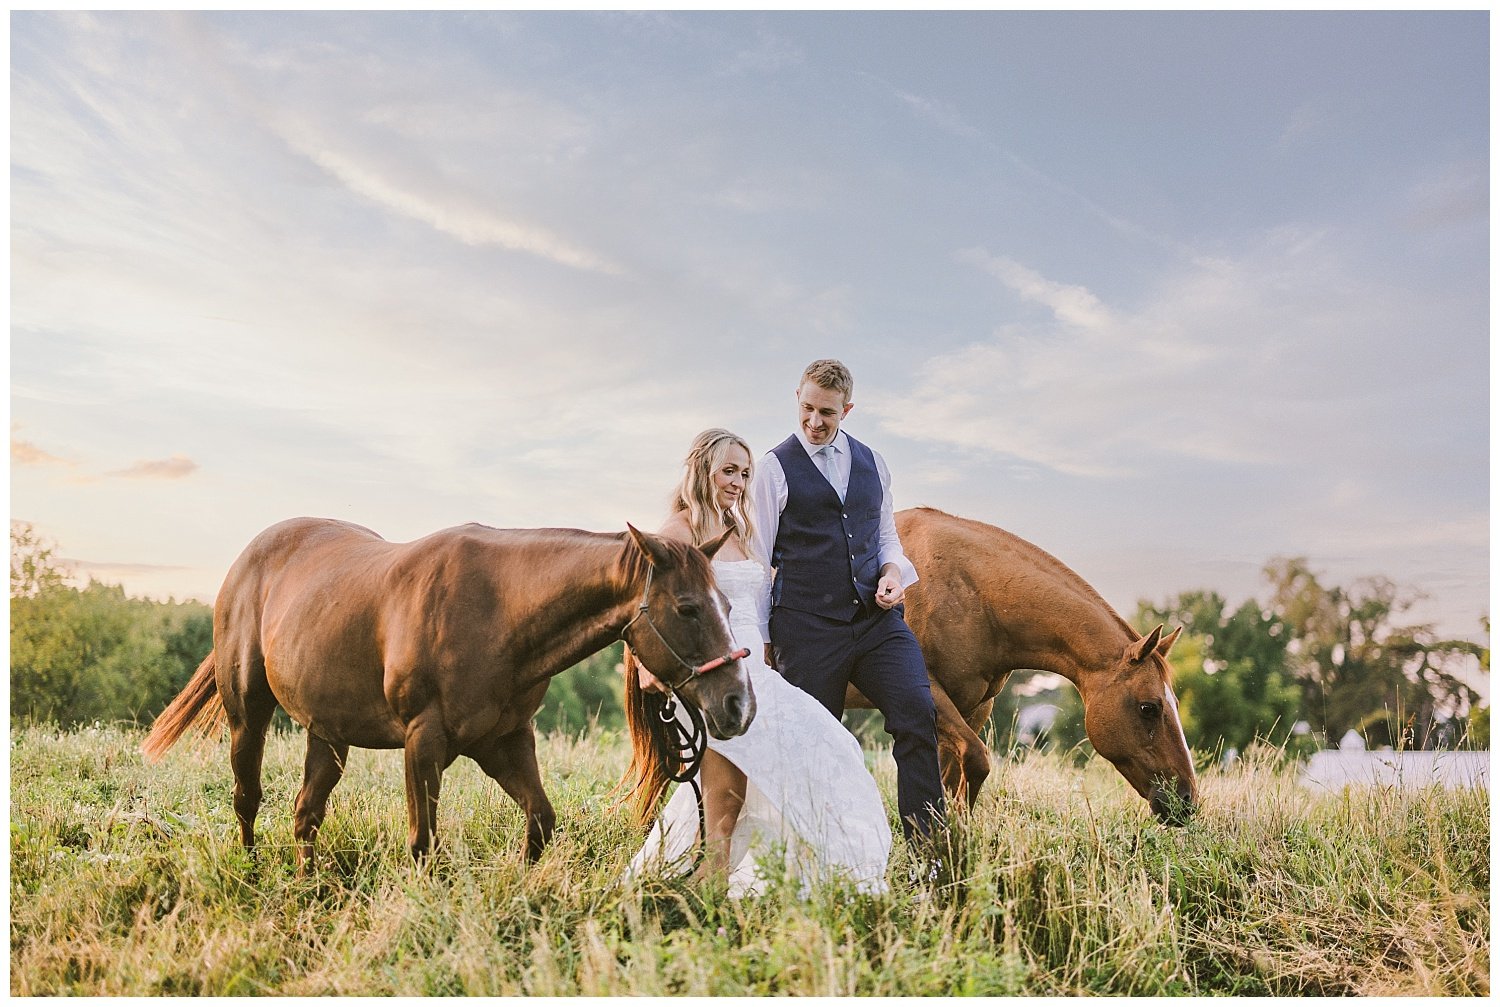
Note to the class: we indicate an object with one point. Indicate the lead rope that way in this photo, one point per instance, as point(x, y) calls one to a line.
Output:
point(688, 745)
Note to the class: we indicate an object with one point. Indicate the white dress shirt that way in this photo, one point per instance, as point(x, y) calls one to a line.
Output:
point(768, 496)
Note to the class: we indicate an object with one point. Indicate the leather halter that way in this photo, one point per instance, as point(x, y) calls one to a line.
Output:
point(693, 670)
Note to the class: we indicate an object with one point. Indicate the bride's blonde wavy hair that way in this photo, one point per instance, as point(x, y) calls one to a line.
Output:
point(695, 491)
point(653, 757)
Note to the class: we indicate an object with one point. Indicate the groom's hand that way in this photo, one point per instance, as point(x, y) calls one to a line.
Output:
point(889, 592)
point(771, 658)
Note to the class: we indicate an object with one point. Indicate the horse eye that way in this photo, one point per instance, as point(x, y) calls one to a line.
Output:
point(688, 609)
point(1150, 711)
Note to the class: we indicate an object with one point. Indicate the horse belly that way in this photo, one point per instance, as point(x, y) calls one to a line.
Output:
point(337, 704)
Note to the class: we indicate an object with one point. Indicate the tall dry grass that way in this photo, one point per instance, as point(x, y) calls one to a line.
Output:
point(129, 881)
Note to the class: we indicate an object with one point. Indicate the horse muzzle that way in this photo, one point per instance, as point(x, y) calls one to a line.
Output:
point(1174, 803)
point(729, 715)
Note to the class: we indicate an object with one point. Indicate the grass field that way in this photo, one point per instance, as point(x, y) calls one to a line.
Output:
point(128, 880)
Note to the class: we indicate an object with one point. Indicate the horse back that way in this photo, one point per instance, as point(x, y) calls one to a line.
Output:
point(985, 598)
point(357, 635)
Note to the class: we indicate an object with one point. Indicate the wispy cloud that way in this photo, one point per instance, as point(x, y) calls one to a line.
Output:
point(176, 467)
point(1452, 194)
point(1070, 303)
point(950, 119)
point(1304, 123)
point(445, 208)
point(27, 453)
point(770, 53)
point(1227, 362)
point(941, 114)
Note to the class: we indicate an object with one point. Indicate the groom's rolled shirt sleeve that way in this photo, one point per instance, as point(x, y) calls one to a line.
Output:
point(890, 542)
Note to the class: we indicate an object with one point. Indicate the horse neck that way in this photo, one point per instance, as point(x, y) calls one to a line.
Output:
point(1054, 621)
point(579, 597)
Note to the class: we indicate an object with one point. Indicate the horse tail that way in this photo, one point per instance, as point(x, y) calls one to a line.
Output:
point(198, 701)
point(653, 759)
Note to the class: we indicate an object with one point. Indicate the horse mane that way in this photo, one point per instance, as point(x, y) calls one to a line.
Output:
point(654, 759)
point(1043, 559)
point(634, 564)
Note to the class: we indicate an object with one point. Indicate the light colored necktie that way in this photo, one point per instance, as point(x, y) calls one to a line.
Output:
point(826, 464)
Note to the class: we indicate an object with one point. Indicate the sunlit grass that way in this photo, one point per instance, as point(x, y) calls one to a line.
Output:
point(128, 880)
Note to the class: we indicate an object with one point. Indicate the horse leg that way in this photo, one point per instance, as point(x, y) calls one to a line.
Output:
point(321, 772)
point(977, 762)
point(965, 758)
point(510, 760)
point(427, 756)
point(247, 747)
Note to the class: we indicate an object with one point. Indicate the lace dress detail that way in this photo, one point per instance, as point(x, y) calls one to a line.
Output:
point(809, 796)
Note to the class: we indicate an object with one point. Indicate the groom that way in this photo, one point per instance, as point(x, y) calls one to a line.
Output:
point(824, 522)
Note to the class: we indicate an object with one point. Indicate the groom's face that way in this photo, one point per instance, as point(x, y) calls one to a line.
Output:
point(820, 410)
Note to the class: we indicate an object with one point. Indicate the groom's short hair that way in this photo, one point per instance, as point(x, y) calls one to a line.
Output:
point(830, 374)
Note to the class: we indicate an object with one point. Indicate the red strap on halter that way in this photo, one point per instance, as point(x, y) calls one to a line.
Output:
point(719, 662)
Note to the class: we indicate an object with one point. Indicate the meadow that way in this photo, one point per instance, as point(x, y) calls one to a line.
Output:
point(129, 880)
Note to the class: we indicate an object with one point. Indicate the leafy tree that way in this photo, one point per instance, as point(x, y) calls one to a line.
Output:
point(1359, 668)
point(93, 654)
point(1478, 733)
point(34, 570)
point(1230, 670)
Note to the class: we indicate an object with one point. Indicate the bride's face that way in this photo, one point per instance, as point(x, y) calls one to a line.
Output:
point(731, 477)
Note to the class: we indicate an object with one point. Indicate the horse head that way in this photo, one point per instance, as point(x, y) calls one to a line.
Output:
point(681, 633)
point(1131, 718)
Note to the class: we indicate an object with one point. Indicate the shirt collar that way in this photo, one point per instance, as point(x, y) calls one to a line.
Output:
point(837, 443)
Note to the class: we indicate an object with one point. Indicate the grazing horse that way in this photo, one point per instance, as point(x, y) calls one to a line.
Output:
point(442, 647)
point(989, 603)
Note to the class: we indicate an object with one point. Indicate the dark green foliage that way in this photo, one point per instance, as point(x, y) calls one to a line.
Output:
point(1360, 668)
point(80, 655)
point(590, 692)
point(1231, 675)
point(1335, 657)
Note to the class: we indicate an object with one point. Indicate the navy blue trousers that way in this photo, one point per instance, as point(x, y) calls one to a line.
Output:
point(880, 656)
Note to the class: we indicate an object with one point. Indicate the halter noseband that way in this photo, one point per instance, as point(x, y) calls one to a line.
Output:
point(693, 670)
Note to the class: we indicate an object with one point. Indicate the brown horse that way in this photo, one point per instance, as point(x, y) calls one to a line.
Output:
point(989, 603)
point(442, 647)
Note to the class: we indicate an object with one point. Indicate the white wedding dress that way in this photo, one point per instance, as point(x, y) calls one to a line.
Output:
point(810, 803)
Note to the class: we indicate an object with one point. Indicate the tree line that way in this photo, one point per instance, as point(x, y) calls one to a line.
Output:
point(1296, 670)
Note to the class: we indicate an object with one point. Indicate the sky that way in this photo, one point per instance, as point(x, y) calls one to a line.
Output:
point(1169, 295)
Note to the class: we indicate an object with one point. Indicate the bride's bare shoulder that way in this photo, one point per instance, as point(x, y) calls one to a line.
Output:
point(676, 527)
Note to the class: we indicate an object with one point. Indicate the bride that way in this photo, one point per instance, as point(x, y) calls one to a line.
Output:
point(793, 788)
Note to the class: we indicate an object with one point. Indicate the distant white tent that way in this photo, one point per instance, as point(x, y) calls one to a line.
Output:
point(1357, 767)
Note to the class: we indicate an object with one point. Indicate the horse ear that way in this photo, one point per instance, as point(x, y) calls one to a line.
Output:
point(709, 548)
point(648, 545)
point(1139, 650)
point(1165, 646)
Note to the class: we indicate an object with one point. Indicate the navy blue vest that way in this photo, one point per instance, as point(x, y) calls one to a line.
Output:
point(827, 553)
